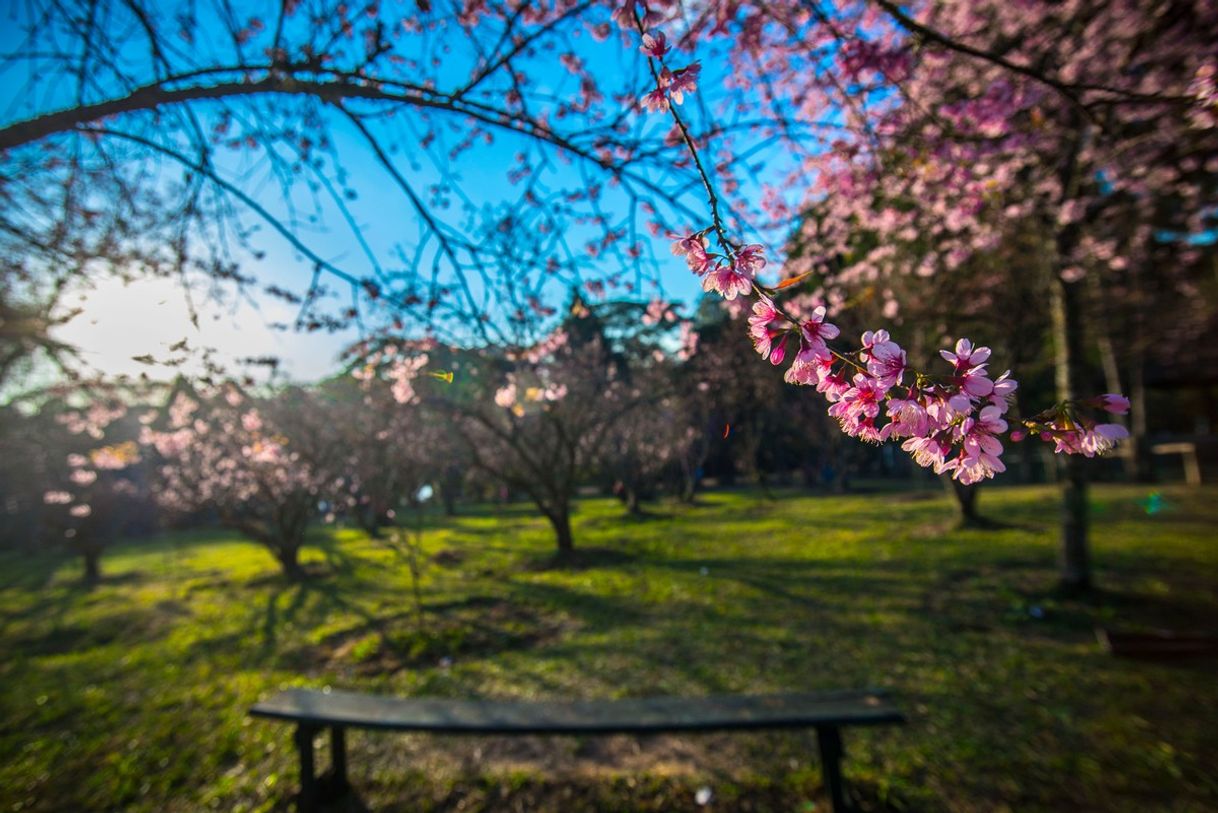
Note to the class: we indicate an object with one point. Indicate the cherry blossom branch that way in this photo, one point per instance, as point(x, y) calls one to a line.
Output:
point(663, 78)
point(950, 423)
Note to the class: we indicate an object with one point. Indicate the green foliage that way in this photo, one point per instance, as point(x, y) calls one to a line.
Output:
point(132, 696)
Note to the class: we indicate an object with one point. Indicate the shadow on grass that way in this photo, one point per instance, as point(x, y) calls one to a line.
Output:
point(985, 523)
point(596, 611)
point(812, 584)
point(580, 559)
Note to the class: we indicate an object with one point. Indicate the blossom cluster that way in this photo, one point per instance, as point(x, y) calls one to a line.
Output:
point(728, 274)
point(513, 396)
point(950, 422)
point(1073, 431)
point(672, 87)
point(94, 475)
point(221, 451)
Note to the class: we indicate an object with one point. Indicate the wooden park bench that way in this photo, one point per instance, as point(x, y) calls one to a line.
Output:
point(312, 711)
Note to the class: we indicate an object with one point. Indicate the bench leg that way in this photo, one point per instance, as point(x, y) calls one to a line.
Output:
point(830, 741)
point(338, 760)
point(307, 801)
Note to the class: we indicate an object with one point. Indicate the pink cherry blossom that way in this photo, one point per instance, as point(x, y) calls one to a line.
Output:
point(655, 45)
point(858, 406)
point(908, 418)
point(750, 259)
point(928, 451)
point(1103, 437)
point(83, 477)
point(728, 281)
point(505, 396)
point(762, 325)
point(815, 332)
point(1089, 441)
point(656, 311)
point(966, 356)
point(682, 81)
point(1114, 403)
point(886, 361)
point(655, 101)
point(693, 249)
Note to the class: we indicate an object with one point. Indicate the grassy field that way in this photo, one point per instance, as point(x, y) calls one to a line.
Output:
point(132, 696)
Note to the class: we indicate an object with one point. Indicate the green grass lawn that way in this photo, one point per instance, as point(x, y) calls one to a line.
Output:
point(132, 696)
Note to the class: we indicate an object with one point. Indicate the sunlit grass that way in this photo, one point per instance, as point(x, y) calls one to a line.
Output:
point(133, 695)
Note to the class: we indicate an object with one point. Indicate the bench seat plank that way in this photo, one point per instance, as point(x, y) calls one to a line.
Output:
point(661, 714)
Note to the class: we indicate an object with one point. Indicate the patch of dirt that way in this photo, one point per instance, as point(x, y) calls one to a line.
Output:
point(654, 773)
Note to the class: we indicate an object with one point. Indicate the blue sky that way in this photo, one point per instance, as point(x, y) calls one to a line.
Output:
point(120, 320)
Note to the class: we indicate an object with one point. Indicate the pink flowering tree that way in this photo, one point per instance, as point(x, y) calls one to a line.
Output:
point(655, 438)
point(248, 461)
point(639, 451)
point(93, 490)
point(390, 446)
point(921, 139)
point(535, 418)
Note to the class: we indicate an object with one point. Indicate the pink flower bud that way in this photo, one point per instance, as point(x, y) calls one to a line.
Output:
point(1114, 403)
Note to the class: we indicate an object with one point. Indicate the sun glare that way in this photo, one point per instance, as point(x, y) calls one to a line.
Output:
point(120, 323)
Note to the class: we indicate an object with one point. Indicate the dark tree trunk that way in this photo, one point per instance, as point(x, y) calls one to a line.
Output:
point(370, 520)
point(92, 562)
point(288, 555)
point(631, 498)
point(560, 519)
point(450, 488)
point(1075, 559)
point(689, 482)
point(1139, 437)
point(966, 502)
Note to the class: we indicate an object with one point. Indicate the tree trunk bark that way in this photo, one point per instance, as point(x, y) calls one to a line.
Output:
point(632, 501)
point(92, 563)
point(370, 522)
point(1112, 381)
point(966, 501)
point(689, 481)
point(289, 560)
point(1075, 558)
point(449, 489)
point(1139, 435)
point(560, 519)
